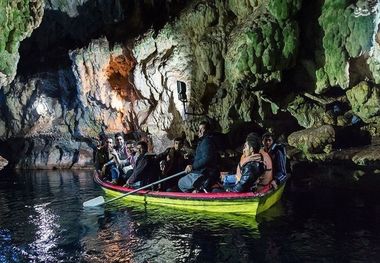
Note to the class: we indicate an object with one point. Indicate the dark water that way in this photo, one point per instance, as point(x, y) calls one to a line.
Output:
point(42, 220)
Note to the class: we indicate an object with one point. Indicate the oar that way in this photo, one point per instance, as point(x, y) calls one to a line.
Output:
point(100, 200)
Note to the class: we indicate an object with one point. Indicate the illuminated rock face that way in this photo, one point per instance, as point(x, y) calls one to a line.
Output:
point(279, 65)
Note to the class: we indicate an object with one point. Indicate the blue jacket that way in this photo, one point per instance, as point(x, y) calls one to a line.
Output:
point(206, 157)
point(278, 154)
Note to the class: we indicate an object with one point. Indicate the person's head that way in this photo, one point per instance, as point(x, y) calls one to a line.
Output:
point(267, 140)
point(203, 129)
point(251, 145)
point(141, 147)
point(102, 138)
point(109, 143)
point(129, 145)
point(178, 143)
point(119, 139)
point(253, 135)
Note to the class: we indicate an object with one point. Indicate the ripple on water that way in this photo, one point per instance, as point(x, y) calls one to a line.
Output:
point(42, 220)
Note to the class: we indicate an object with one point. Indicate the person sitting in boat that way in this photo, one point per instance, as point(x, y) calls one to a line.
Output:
point(204, 171)
point(277, 153)
point(146, 169)
point(124, 156)
point(250, 167)
point(100, 142)
point(174, 161)
point(105, 162)
point(101, 154)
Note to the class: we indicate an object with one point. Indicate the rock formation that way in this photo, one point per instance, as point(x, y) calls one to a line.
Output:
point(306, 70)
point(18, 20)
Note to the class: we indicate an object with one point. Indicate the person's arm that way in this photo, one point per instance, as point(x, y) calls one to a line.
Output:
point(280, 167)
point(116, 157)
point(162, 156)
point(120, 162)
point(97, 161)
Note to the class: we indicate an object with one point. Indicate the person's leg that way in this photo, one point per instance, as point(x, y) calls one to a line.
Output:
point(114, 174)
point(186, 183)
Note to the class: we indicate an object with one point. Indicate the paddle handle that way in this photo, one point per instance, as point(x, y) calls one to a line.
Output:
point(145, 187)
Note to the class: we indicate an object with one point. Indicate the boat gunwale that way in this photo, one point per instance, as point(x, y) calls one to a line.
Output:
point(223, 196)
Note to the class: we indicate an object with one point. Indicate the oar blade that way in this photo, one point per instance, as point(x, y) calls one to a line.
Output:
point(94, 202)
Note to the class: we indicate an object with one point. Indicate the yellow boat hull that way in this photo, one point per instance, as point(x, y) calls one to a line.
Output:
point(249, 205)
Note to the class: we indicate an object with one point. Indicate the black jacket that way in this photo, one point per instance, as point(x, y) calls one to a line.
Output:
point(206, 157)
point(146, 170)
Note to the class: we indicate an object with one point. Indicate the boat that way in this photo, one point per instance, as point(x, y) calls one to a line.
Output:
point(226, 202)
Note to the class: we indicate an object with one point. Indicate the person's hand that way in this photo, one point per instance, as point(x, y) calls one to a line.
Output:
point(104, 170)
point(168, 158)
point(274, 184)
point(114, 152)
point(188, 168)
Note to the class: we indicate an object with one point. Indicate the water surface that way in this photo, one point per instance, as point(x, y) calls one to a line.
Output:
point(42, 220)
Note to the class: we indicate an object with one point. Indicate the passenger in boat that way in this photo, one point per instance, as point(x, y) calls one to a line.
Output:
point(105, 162)
point(100, 142)
point(204, 171)
point(277, 153)
point(124, 156)
point(146, 169)
point(101, 155)
point(174, 161)
point(250, 167)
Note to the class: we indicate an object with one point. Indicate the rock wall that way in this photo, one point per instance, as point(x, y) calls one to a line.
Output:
point(306, 70)
point(17, 19)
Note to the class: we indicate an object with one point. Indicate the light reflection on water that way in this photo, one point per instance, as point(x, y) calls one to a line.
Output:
point(46, 235)
point(42, 220)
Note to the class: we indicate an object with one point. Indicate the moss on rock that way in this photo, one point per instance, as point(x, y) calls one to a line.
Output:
point(313, 140)
point(283, 9)
point(17, 20)
point(309, 114)
point(345, 36)
point(260, 49)
point(365, 102)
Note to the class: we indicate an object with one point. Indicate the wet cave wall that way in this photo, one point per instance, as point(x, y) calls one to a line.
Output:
point(305, 70)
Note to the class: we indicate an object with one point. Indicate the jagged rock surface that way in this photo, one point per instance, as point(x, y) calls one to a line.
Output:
point(17, 19)
point(252, 63)
point(313, 140)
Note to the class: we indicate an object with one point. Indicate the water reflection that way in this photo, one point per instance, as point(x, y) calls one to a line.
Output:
point(113, 238)
point(42, 220)
point(39, 213)
point(167, 235)
point(46, 235)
